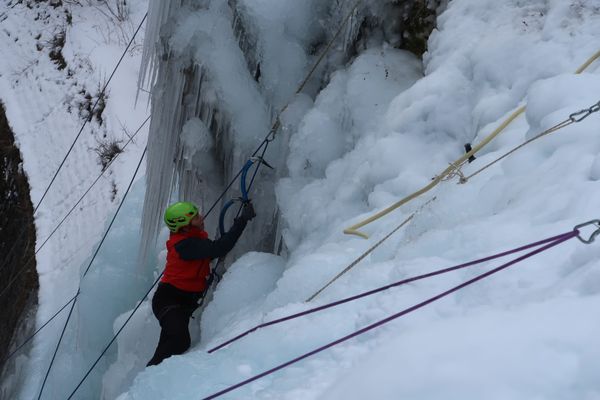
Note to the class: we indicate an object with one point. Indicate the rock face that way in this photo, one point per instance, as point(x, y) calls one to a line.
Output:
point(19, 283)
point(403, 24)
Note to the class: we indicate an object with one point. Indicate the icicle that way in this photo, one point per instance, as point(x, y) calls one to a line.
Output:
point(158, 13)
point(246, 41)
point(162, 144)
point(194, 92)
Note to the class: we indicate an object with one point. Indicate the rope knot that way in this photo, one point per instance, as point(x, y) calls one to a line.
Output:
point(456, 170)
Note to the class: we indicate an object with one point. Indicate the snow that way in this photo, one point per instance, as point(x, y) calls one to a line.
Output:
point(382, 127)
point(445, 359)
point(245, 285)
point(285, 29)
point(373, 79)
point(42, 107)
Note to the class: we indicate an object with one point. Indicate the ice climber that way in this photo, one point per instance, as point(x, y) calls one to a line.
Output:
point(189, 252)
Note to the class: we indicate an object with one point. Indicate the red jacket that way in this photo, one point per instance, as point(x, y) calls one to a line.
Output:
point(189, 253)
point(188, 275)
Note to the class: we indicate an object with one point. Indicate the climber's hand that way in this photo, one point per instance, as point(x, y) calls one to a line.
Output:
point(248, 211)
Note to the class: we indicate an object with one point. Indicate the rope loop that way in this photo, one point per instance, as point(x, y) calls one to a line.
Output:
point(273, 132)
point(456, 170)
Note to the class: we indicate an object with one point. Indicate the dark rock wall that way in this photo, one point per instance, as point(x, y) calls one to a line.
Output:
point(404, 24)
point(19, 280)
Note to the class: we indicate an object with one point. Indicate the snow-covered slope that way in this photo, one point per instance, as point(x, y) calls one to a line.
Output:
point(54, 59)
point(375, 134)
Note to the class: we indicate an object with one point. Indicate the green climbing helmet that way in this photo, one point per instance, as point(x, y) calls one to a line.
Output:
point(180, 214)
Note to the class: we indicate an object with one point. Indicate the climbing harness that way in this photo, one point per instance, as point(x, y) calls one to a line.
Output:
point(573, 119)
point(243, 190)
point(548, 243)
point(452, 168)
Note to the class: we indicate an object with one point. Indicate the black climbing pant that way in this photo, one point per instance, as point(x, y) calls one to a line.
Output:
point(173, 308)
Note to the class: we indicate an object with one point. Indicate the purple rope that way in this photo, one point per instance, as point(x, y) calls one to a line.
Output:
point(381, 289)
point(559, 239)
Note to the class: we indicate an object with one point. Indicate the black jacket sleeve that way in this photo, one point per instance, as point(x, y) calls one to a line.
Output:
point(197, 249)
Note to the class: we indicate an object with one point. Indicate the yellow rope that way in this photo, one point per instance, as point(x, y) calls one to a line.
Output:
point(588, 63)
point(559, 126)
point(315, 65)
point(353, 230)
point(370, 250)
point(360, 258)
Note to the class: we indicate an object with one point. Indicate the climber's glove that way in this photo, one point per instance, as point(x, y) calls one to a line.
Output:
point(248, 211)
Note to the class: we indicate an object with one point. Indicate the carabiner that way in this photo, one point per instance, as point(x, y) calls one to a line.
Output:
point(583, 114)
point(595, 222)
